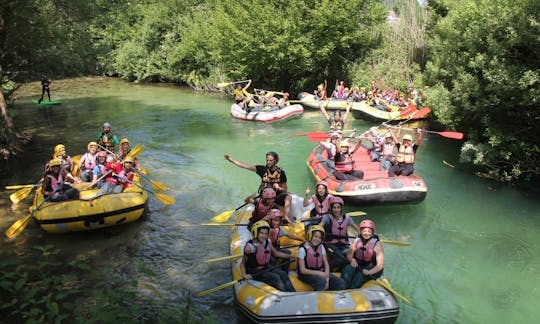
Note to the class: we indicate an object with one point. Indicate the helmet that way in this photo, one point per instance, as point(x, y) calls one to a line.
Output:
point(367, 223)
point(59, 147)
point(312, 229)
point(336, 199)
point(334, 134)
point(268, 193)
point(407, 137)
point(387, 135)
point(124, 140)
point(102, 154)
point(106, 124)
point(274, 155)
point(344, 143)
point(92, 144)
point(54, 162)
point(322, 182)
point(127, 159)
point(274, 214)
point(258, 226)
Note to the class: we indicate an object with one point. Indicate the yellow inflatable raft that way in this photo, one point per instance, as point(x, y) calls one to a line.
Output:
point(265, 304)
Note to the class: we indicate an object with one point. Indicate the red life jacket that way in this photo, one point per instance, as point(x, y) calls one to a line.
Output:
point(321, 207)
point(260, 210)
point(273, 235)
point(344, 162)
point(89, 162)
point(338, 232)
point(261, 258)
point(56, 183)
point(365, 254)
point(314, 258)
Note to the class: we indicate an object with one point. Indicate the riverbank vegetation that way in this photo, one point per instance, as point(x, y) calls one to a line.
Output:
point(475, 62)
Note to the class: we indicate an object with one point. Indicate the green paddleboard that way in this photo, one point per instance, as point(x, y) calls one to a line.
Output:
point(47, 102)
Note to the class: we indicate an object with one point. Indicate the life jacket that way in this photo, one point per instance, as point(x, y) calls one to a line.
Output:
point(56, 183)
point(102, 169)
point(405, 154)
point(337, 231)
point(336, 124)
point(89, 162)
point(273, 235)
point(321, 207)
point(344, 162)
point(270, 177)
point(365, 253)
point(388, 149)
point(124, 174)
point(260, 210)
point(261, 258)
point(314, 258)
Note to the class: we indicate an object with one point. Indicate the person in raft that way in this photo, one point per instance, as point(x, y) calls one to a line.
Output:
point(45, 82)
point(107, 135)
point(87, 162)
point(313, 266)
point(337, 121)
point(321, 200)
point(54, 186)
point(256, 260)
point(276, 232)
point(345, 164)
point(263, 204)
point(366, 257)
point(405, 156)
point(272, 176)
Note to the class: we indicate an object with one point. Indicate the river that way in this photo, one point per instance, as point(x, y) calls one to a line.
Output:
point(474, 256)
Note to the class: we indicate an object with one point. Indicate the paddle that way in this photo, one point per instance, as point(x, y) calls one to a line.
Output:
point(270, 92)
point(447, 134)
point(133, 153)
point(224, 84)
point(156, 185)
point(231, 283)
point(223, 217)
point(228, 257)
point(386, 285)
point(18, 227)
point(165, 199)
point(19, 195)
point(21, 186)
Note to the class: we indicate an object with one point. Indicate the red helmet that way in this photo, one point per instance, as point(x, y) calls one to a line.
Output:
point(336, 199)
point(322, 182)
point(273, 214)
point(268, 193)
point(367, 223)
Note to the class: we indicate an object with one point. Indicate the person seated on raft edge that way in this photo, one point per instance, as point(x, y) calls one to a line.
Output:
point(99, 170)
point(365, 257)
point(256, 260)
point(88, 162)
point(321, 199)
point(313, 266)
point(123, 151)
point(263, 204)
point(344, 162)
point(276, 232)
point(336, 239)
point(54, 187)
point(107, 135)
point(272, 176)
point(119, 179)
point(406, 153)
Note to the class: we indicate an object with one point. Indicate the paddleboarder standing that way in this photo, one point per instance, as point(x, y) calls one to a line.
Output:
point(45, 82)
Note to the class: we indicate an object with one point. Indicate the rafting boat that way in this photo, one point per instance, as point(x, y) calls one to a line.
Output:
point(375, 188)
point(266, 113)
point(262, 303)
point(308, 100)
point(361, 110)
point(88, 213)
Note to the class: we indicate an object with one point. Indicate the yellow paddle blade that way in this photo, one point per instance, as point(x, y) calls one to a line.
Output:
point(209, 291)
point(135, 151)
point(223, 84)
point(18, 227)
point(19, 195)
point(397, 243)
point(217, 224)
point(14, 187)
point(166, 199)
point(144, 171)
point(356, 213)
point(386, 285)
point(223, 217)
point(234, 256)
point(158, 185)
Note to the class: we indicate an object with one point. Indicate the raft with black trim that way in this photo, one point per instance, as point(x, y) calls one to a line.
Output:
point(88, 214)
point(361, 110)
point(262, 303)
point(267, 113)
point(308, 100)
point(375, 188)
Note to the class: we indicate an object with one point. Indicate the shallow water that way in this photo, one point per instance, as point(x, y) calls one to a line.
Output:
point(474, 257)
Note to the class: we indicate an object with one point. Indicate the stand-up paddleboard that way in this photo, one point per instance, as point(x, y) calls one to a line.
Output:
point(46, 102)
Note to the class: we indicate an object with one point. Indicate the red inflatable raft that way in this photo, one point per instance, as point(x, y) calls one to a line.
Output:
point(375, 188)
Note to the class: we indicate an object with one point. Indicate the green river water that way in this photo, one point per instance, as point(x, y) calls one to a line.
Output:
point(474, 256)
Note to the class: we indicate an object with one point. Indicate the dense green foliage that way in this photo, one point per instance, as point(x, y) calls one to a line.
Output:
point(50, 290)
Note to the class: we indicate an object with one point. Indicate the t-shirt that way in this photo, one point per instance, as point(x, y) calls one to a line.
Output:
point(302, 252)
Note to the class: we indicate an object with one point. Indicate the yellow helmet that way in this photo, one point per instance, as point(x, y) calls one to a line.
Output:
point(59, 147)
point(344, 143)
point(387, 135)
point(92, 144)
point(407, 137)
point(54, 162)
point(314, 228)
point(127, 159)
point(258, 226)
point(124, 140)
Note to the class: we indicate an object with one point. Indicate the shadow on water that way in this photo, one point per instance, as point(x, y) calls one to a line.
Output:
point(469, 236)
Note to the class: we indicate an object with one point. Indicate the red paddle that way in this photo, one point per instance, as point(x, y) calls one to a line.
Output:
point(448, 134)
